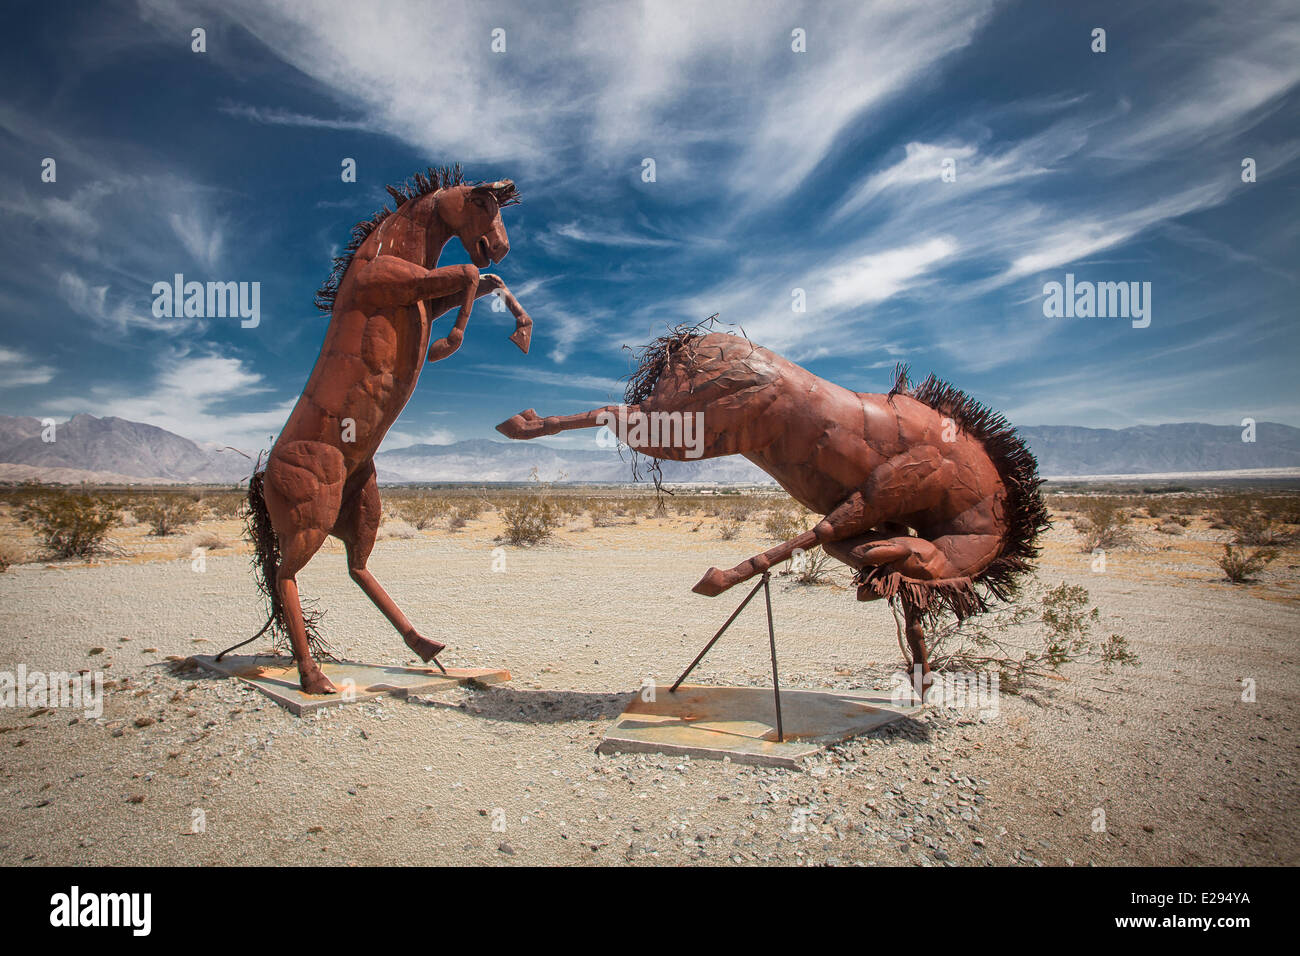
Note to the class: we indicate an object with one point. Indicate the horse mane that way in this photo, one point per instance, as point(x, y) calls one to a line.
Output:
point(421, 184)
point(1026, 513)
point(651, 360)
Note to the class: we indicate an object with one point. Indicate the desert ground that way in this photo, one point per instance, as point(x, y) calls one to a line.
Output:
point(1169, 762)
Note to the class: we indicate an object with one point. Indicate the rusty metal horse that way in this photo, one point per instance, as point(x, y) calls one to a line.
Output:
point(382, 298)
point(929, 496)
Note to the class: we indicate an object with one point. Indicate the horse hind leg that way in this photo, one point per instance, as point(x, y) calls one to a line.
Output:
point(915, 632)
point(357, 526)
point(303, 489)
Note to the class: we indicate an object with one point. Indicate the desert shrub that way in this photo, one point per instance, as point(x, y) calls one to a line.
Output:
point(530, 519)
point(1256, 529)
point(69, 525)
point(468, 508)
point(1284, 509)
point(1103, 522)
point(570, 506)
point(1063, 636)
point(10, 554)
point(634, 509)
point(166, 515)
point(602, 513)
point(730, 523)
point(1170, 527)
point(209, 541)
point(783, 522)
point(225, 505)
point(422, 513)
point(1228, 512)
point(813, 566)
point(1242, 565)
point(688, 505)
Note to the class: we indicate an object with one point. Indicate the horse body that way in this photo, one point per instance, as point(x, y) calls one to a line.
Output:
point(383, 297)
point(923, 493)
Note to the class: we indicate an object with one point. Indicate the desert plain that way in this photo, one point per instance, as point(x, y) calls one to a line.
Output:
point(1188, 758)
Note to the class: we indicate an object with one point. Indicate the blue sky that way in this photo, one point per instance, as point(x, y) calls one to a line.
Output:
point(775, 170)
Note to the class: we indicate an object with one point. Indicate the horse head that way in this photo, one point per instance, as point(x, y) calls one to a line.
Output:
point(473, 214)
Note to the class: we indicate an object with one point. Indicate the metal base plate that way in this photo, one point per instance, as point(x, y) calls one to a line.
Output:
point(740, 723)
point(277, 678)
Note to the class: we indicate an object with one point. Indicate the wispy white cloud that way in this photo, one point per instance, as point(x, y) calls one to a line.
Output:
point(17, 369)
point(192, 395)
point(539, 376)
point(279, 117)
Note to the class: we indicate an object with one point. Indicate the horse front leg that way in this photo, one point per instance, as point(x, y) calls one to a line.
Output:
point(449, 343)
point(487, 284)
point(523, 333)
point(528, 424)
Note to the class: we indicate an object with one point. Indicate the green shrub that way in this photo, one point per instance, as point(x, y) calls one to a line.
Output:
point(1103, 523)
point(421, 512)
point(530, 519)
point(1242, 566)
point(69, 525)
point(166, 515)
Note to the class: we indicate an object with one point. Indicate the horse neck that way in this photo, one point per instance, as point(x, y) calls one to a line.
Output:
point(408, 240)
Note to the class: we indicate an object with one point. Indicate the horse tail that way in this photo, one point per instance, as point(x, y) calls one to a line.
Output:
point(1027, 516)
point(266, 558)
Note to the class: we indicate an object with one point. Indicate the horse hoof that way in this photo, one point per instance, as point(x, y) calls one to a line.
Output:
point(317, 683)
point(517, 426)
point(522, 338)
point(424, 648)
point(712, 584)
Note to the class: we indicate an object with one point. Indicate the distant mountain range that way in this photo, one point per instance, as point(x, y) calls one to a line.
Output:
point(117, 451)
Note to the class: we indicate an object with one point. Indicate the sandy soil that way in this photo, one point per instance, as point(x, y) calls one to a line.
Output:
point(1184, 771)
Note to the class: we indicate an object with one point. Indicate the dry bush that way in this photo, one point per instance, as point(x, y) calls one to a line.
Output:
point(630, 508)
point(167, 514)
point(687, 506)
point(10, 554)
point(209, 541)
point(731, 522)
point(68, 525)
point(1103, 522)
point(1256, 529)
point(227, 504)
point(530, 519)
point(462, 511)
point(602, 513)
point(812, 567)
point(1241, 566)
point(1227, 512)
point(468, 507)
point(422, 513)
point(1171, 527)
point(1284, 509)
point(783, 522)
point(569, 506)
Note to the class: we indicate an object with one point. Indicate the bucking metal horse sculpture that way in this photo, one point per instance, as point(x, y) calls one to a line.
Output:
point(929, 496)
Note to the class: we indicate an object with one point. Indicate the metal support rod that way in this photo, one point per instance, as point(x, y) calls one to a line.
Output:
point(771, 639)
point(699, 657)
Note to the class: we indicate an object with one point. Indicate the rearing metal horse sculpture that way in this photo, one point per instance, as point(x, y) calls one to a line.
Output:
point(929, 496)
point(382, 297)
